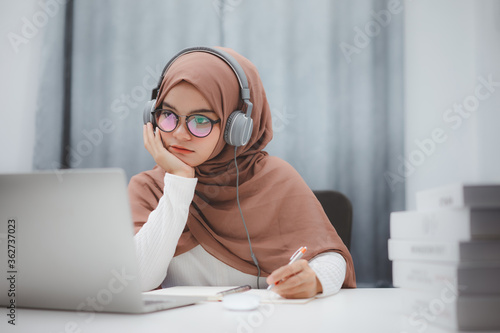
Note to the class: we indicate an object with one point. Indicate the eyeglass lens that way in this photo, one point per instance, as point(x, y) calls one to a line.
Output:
point(200, 126)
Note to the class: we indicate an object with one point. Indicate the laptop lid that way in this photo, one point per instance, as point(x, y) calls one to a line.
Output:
point(66, 241)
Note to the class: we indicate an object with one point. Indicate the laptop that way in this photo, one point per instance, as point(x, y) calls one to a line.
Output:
point(66, 242)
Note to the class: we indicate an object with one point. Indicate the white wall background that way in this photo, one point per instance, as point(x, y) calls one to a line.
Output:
point(18, 85)
point(449, 45)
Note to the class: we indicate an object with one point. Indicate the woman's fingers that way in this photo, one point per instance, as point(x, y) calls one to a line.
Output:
point(157, 140)
point(152, 141)
point(297, 280)
point(165, 159)
point(148, 137)
point(285, 272)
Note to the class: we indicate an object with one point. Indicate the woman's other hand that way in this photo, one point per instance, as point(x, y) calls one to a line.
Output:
point(169, 162)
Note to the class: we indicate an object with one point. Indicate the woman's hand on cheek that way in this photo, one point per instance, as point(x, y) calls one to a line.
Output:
point(169, 162)
point(297, 280)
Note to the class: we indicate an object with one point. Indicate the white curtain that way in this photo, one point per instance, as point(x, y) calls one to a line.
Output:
point(332, 71)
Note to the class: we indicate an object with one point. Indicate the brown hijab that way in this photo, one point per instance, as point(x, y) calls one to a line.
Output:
point(281, 212)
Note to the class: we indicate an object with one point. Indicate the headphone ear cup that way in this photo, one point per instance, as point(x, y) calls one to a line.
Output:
point(147, 115)
point(238, 129)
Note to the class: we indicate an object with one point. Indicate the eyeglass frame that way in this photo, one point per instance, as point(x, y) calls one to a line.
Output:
point(212, 122)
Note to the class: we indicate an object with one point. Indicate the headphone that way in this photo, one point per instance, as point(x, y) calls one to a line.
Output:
point(239, 125)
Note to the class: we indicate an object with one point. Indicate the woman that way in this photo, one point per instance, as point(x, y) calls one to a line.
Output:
point(189, 227)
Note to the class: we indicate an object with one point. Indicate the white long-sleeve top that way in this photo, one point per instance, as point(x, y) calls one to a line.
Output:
point(156, 242)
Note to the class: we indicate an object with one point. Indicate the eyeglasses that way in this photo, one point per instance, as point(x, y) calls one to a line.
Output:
point(198, 125)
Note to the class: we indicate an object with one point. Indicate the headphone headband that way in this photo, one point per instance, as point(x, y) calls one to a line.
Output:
point(239, 125)
point(227, 58)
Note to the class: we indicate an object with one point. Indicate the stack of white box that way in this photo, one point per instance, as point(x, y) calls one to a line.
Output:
point(446, 257)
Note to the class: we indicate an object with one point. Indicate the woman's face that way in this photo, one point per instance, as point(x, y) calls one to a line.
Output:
point(184, 99)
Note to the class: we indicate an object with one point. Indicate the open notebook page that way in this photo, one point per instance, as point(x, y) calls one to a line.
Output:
point(266, 296)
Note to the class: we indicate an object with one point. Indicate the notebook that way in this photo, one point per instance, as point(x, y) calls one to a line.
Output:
point(66, 242)
point(212, 293)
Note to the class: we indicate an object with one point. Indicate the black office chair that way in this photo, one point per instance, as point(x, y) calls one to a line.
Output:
point(338, 208)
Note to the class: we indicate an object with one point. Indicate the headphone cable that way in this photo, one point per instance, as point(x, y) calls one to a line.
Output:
point(243, 219)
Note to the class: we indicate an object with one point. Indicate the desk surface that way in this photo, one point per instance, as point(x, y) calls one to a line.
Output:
point(355, 310)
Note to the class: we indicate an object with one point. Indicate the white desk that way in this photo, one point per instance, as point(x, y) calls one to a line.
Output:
point(355, 310)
